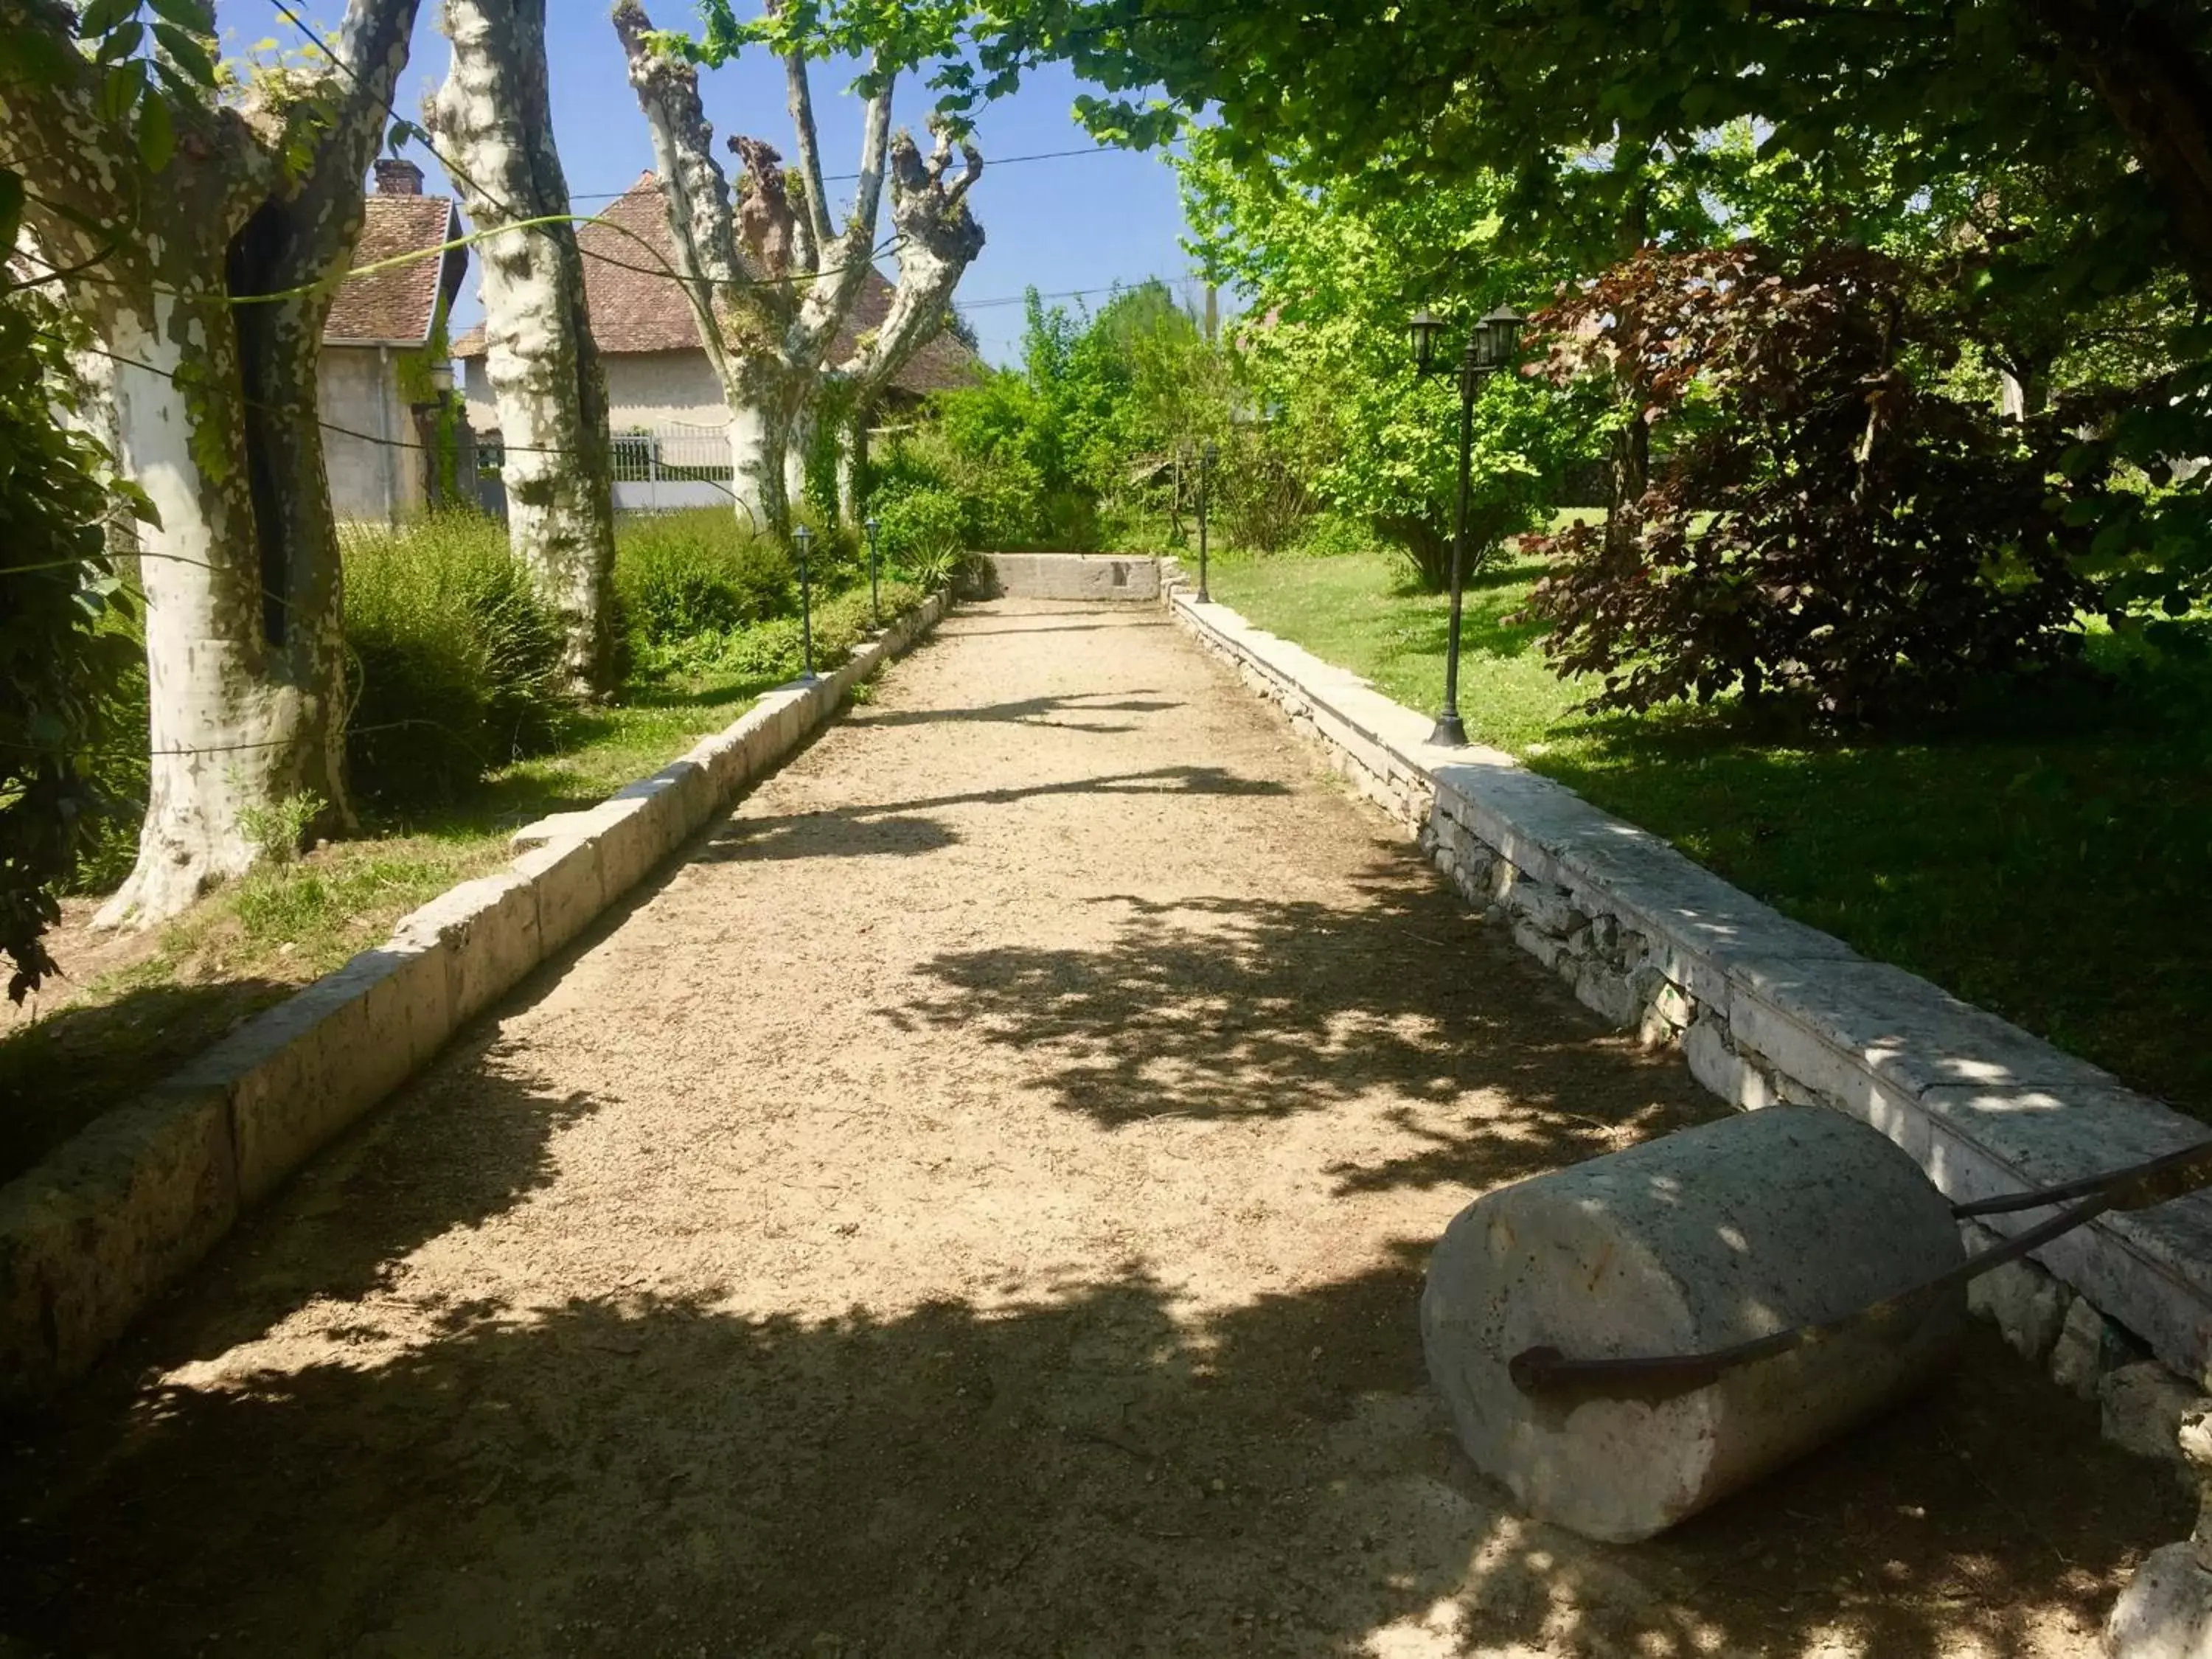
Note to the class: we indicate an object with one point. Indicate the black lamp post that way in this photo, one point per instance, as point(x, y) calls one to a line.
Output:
point(1490, 347)
point(1206, 457)
point(875, 600)
point(802, 538)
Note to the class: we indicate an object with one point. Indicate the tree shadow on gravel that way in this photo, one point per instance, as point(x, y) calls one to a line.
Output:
point(1059, 710)
point(1219, 1008)
point(893, 827)
point(1084, 1473)
point(463, 1142)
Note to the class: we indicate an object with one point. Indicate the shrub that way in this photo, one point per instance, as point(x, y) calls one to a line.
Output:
point(62, 654)
point(679, 575)
point(1830, 528)
point(458, 663)
point(771, 651)
point(923, 529)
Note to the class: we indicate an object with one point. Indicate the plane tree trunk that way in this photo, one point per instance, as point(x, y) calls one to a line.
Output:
point(494, 115)
point(215, 413)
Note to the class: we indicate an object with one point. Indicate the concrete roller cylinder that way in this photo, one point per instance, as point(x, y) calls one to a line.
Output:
point(1791, 1216)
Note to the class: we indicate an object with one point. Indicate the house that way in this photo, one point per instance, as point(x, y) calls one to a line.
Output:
point(378, 389)
point(665, 405)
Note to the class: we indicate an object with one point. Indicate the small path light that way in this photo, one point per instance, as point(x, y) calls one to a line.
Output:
point(875, 600)
point(1206, 457)
point(1491, 346)
point(803, 539)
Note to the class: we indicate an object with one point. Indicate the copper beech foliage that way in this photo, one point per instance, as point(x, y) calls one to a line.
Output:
point(1825, 525)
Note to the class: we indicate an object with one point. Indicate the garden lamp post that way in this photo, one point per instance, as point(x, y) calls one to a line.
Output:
point(875, 600)
point(1490, 347)
point(802, 538)
point(1206, 457)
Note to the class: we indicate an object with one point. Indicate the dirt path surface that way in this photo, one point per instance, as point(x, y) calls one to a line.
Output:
point(975, 1204)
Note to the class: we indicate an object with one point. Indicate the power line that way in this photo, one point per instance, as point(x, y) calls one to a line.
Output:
point(988, 165)
point(525, 222)
point(330, 426)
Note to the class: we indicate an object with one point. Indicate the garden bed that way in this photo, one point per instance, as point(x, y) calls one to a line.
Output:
point(2047, 859)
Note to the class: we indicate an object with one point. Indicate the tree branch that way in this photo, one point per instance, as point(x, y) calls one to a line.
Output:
point(939, 239)
point(700, 219)
point(800, 97)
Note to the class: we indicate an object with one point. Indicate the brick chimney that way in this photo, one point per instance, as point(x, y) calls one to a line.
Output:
point(395, 177)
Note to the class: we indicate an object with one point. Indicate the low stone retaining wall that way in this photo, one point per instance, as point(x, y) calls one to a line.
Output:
point(1765, 1009)
point(1071, 576)
point(102, 1226)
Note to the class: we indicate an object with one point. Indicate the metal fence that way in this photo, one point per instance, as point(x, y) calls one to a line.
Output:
point(656, 470)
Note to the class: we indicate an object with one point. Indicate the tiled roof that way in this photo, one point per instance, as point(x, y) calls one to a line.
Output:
point(635, 306)
point(399, 305)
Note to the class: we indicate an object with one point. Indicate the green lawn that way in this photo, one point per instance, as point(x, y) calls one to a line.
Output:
point(2050, 857)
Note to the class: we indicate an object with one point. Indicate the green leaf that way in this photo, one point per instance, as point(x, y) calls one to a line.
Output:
point(102, 15)
point(157, 135)
point(402, 130)
point(185, 50)
point(121, 42)
point(186, 15)
point(120, 89)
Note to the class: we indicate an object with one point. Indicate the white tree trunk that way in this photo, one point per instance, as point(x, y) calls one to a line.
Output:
point(225, 738)
point(544, 367)
point(757, 465)
point(215, 411)
point(798, 450)
point(852, 460)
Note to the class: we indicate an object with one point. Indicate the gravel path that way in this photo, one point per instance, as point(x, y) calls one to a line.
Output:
point(975, 1204)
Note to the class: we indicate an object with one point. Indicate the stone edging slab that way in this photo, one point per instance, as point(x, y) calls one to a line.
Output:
point(93, 1234)
point(1767, 1009)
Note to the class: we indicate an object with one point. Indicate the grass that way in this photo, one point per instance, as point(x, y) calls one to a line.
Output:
point(254, 941)
point(2049, 857)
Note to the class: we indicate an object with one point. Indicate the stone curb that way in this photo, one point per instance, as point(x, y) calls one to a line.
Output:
point(1765, 1009)
point(97, 1231)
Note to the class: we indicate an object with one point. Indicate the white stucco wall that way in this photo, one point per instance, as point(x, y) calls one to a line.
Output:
point(650, 391)
point(370, 480)
point(659, 389)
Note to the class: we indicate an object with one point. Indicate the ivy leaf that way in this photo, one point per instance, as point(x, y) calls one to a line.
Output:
point(402, 130)
point(186, 52)
point(157, 135)
point(186, 15)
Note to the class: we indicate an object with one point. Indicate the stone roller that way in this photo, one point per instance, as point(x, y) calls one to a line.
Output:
point(1754, 1227)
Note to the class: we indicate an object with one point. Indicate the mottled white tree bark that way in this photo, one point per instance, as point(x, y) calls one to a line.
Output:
point(770, 319)
point(494, 115)
point(216, 412)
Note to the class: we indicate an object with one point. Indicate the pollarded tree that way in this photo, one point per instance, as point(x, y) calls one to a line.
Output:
point(494, 115)
point(773, 281)
point(203, 232)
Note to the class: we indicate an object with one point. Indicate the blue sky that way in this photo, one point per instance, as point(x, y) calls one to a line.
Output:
point(1084, 222)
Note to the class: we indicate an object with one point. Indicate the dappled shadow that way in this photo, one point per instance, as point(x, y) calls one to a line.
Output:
point(63, 1069)
point(1085, 1470)
point(1241, 1008)
point(823, 835)
point(893, 827)
point(1068, 707)
point(463, 1142)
